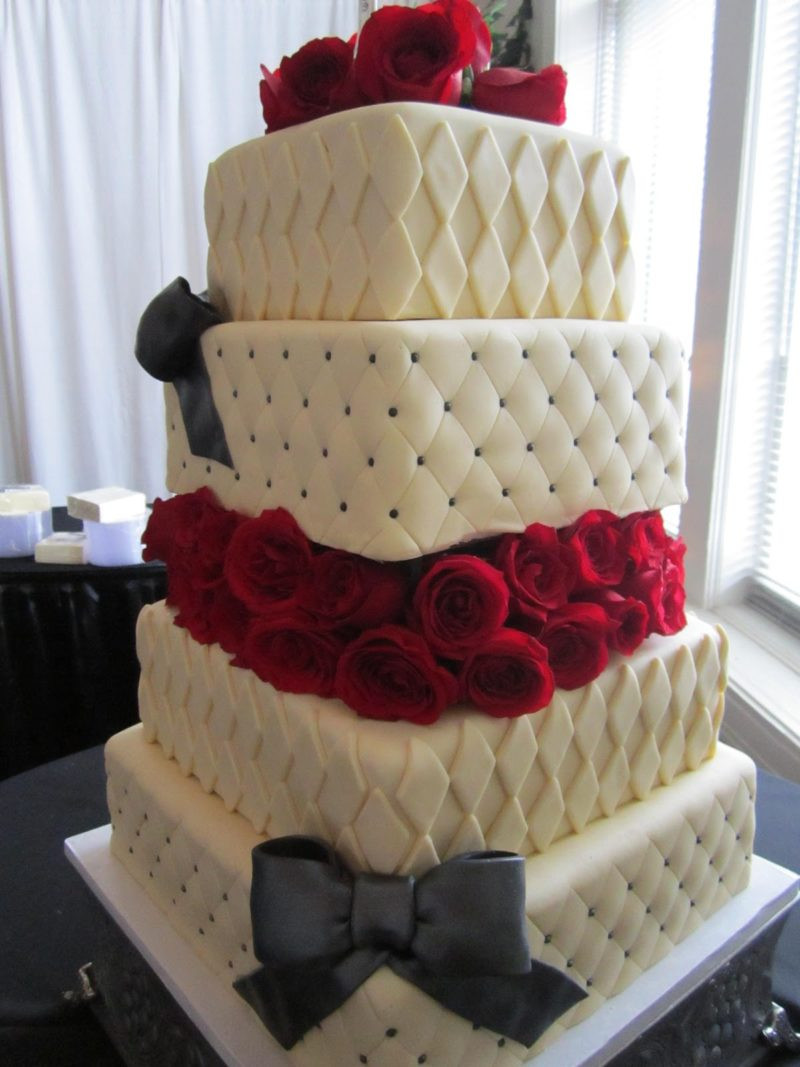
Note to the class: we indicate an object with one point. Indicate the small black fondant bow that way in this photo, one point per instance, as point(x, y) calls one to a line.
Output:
point(457, 933)
point(168, 347)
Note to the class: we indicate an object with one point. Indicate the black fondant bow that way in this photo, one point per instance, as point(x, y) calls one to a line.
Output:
point(457, 933)
point(168, 347)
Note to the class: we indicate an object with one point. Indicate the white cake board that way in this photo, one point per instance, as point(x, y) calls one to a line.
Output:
point(236, 1034)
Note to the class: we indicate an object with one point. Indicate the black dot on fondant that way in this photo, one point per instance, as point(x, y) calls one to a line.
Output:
point(195, 869)
point(211, 918)
point(477, 451)
point(269, 398)
point(615, 354)
point(224, 896)
point(595, 481)
point(616, 440)
point(372, 357)
point(652, 355)
point(392, 1031)
point(285, 446)
point(168, 840)
point(285, 353)
point(269, 483)
point(692, 904)
point(570, 963)
point(630, 885)
point(422, 1059)
point(305, 401)
point(251, 354)
point(362, 1058)
point(325, 453)
point(184, 464)
point(446, 406)
point(343, 506)
point(552, 488)
point(698, 840)
point(173, 426)
point(597, 396)
point(415, 357)
point(392, 412)
point(420, 461)
point(662, 928)
point(219, 353)
point(572, 355)
point(474, 357)
point(183, 888)
point(524, 353)
point(648, 910)
point(529, 446)
point(328, 356)
point(150, 873)
point(230, 964)
point(574, 442)
point(303, 493)
point(393, 513)
point(626, 954)
point(501, 1042)
point(634, 396)
point(370, 462)
point(720, 879)
point(252, 438)
point(610, 935)
point(589, 982)
point(452, 501)
point(243, 947)
point(201, 931)
point(551, 400)
point(667, 394)
point(347, 410)
point(237, 476)
point(548, 938)
point(680, 885)
point(633, 476)
point(502, 402)
point(592, 912)
point(666, 861)
point(208, 468)
point(235, 393)
point(505, 492)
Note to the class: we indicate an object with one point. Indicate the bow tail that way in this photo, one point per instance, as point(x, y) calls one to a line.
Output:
point(519, 1006)
point(291, 1002)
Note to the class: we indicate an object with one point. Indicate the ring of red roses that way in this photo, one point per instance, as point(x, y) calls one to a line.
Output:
point(498, 626)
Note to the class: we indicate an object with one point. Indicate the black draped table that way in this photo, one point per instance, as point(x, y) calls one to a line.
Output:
point(51, 926)
point(68, 667)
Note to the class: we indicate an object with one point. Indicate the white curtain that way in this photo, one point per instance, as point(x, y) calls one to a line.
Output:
point(110, 111)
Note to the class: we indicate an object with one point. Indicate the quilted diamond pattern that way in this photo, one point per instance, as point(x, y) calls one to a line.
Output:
point(602, 906)
point(398, 439)
point(393, 800)
point(404, 211)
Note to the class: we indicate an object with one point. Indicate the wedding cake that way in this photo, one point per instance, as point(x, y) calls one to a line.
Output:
point(423, 678)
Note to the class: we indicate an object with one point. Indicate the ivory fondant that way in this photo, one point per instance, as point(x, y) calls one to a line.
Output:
point(394, 440)
point(398, 797)
point(416, 211)
point(602, 906)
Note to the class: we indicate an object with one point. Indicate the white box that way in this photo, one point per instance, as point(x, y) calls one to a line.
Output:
point(62, 547)
point(115, 544)
point(25, 518)
point(110, 504)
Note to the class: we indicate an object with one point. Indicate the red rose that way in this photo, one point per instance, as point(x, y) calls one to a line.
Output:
point(265, 561)
point(291, 654)
point(647, 586)
point(600, 549)
point(483, 39)
point(181, 527)
point(508, 91)
point(306, 84)
point(539, 569)
point(646, 542)
point(673, 600)
point(508, 676)
point(628, 619)
point(459, 603)
point(575, 639)
point(414, 53)
point(390, 674)
point(342, 589)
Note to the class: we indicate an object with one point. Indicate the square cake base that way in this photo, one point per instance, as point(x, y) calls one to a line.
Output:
point(719, 976)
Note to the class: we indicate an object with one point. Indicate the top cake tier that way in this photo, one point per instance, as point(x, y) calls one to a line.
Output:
point(408, 211)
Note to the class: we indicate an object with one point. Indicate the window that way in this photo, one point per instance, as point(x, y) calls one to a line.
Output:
point(704, 96)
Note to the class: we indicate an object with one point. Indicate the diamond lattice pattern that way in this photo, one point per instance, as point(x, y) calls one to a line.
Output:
point(405, 799)
point(412, 211)
point(394, 440)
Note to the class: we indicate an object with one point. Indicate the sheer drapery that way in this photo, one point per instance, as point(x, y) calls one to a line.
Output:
point(109, 115)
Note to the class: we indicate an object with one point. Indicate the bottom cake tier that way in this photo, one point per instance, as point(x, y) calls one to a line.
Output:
point(602, 905)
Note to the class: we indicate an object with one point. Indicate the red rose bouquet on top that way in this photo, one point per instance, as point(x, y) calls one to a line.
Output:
point(403, 53)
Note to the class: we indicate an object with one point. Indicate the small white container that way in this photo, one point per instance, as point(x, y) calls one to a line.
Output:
point(25, 518)
point(115, 544)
